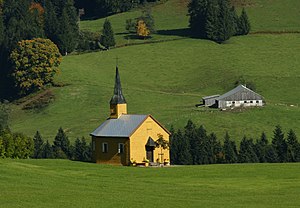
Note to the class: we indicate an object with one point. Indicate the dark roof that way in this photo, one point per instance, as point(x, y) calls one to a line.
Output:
point(118, 97)
point(150, 142)
point(240, 93)
point(124, 126)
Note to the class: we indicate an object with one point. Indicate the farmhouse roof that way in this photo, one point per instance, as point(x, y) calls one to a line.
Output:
point(211, 96)
point(118, 97)
point(240, 93)
point(124, 126)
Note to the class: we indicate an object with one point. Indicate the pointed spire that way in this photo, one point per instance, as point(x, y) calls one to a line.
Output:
point(118, 97)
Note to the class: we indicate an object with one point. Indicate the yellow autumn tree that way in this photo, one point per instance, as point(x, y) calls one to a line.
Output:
point(35, 62)
point(142, 29)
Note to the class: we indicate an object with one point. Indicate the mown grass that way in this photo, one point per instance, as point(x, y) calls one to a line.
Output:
point(167, 79)
point(61, 183)
point(171, 19)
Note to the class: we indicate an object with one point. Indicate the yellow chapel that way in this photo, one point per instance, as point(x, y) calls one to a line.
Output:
point(124, 138)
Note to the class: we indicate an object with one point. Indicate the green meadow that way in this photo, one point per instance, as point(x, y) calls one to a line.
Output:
point(62, 183)
point(167, 79)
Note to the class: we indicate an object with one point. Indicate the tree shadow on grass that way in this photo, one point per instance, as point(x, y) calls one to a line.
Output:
point(182, 32)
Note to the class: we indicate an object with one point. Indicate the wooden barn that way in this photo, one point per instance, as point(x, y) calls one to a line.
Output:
point(124, 138)
point(209, 100)
point(240, 96)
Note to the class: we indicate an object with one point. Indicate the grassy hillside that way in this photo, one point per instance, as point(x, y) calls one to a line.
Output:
point(60, 183)
point(167, 79)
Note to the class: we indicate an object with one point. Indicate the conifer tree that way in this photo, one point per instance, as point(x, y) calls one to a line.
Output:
point(230, 151)
point(190, 134)
point(38, 145)
point(174, 148)
point(183, 155)
point(271, 154)
point(81, 150)
point(261, 148)
point(214, 149)
point(48, 150)
point(236, 20)
point(61, 145)
point(244, 24)
point(225, 22)
point(17, 22)
point(279, 144)
point(51, 22)
point(293, 147)
point(202, 149)
point(107, 38)
point(247, 153)
point(197, 10)
point(211, 25)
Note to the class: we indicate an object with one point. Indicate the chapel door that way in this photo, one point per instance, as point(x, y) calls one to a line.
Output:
point(149, 153)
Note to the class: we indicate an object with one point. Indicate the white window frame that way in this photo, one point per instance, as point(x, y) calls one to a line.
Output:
point(121, 148)
point(104, 150)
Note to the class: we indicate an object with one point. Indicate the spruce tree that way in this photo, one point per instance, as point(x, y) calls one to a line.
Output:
point(190, 134)
point(214, 149)
point(81, 150)
point(225, 22)
point(230, 150)
point(279, 144)
point(61, 145)
point(293, 147)
point(183, 155)
point(197, 10)
point(202, 156)
point(271, 154)
point(51, 22)
point(261, 148)
point(174, 148)
point(38, 145)
point(244, 24)
point(48, 151)
point(107, 38)
point(247, 153)
point(211, 25)
point(18, 22)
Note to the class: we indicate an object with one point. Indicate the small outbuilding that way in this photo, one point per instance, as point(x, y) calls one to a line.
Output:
point(210, 100)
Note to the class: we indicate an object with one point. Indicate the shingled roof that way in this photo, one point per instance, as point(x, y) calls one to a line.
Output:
point(124, 126)
point(118, 97)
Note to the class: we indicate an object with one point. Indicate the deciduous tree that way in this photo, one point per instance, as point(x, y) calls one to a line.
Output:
point(35, 62)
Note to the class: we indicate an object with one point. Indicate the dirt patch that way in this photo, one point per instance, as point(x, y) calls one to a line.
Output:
point(38, 101)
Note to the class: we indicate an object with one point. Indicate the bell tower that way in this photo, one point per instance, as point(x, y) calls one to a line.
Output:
point(117, 103)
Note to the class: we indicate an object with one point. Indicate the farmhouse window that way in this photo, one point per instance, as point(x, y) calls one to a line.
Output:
point(120, 148)
point(245, 101)
point(257, 101)
point(104, 147)
point(251, 101)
